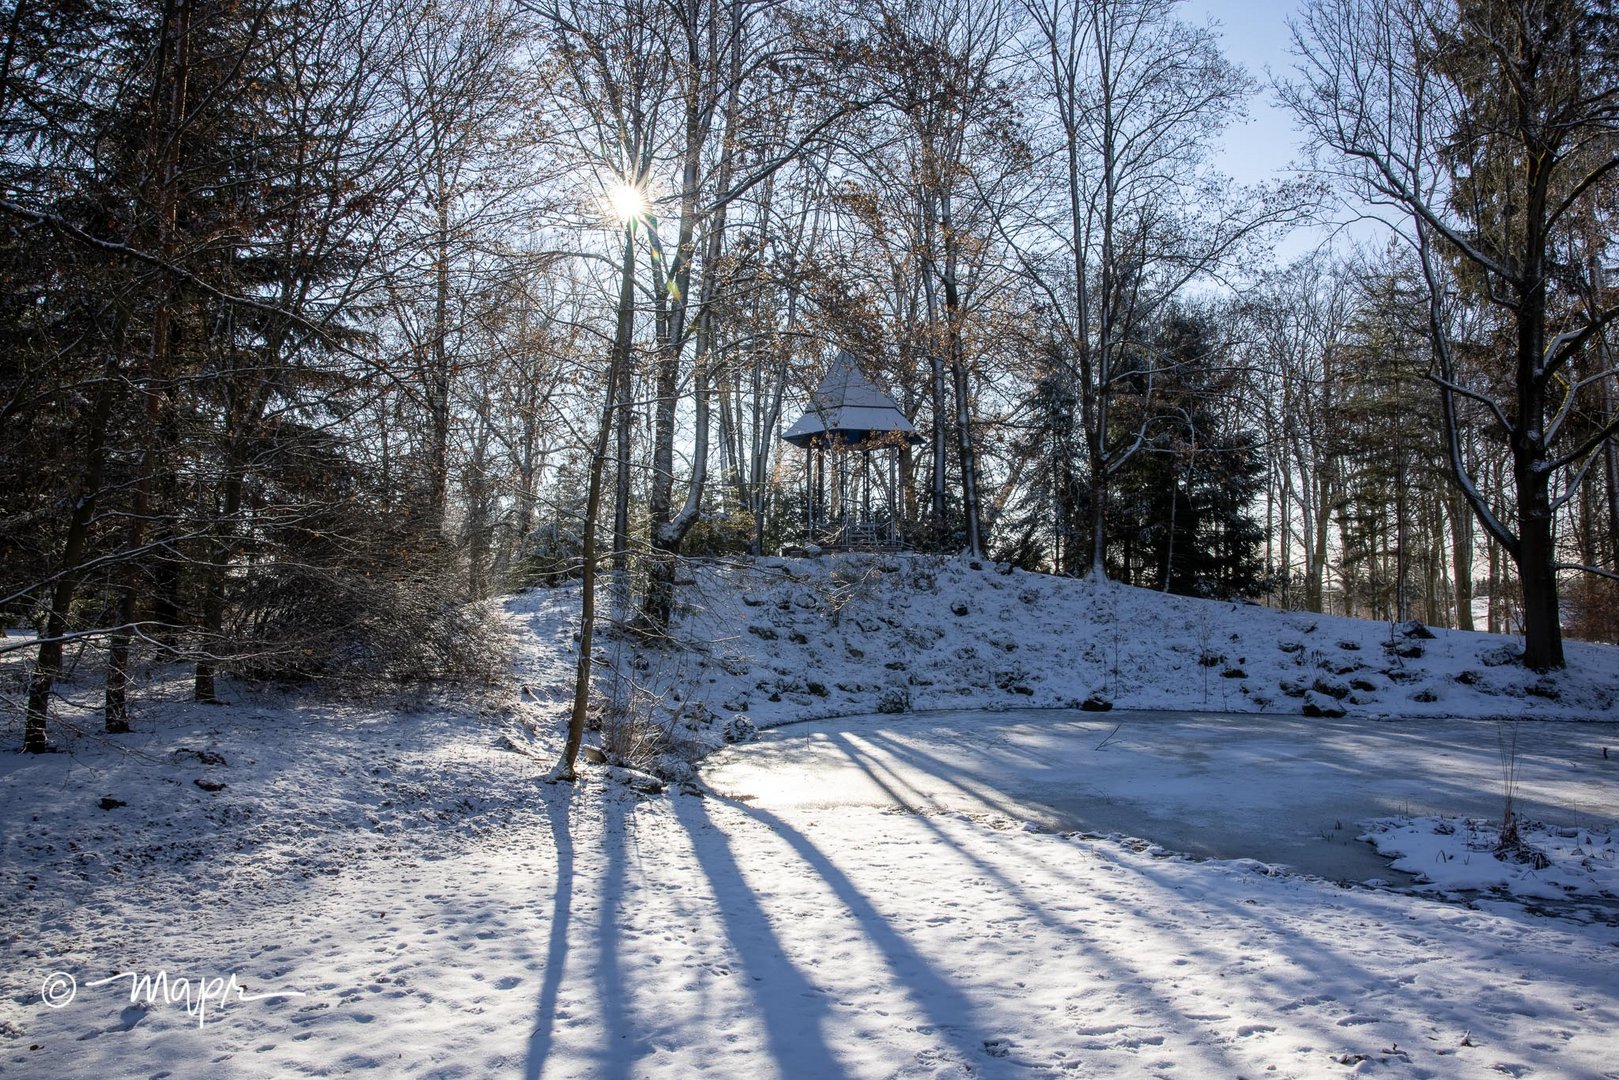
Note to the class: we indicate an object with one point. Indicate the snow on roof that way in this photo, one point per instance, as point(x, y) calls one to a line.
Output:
point(848, 408)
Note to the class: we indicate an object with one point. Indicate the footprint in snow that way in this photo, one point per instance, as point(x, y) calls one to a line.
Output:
point(1304, 1001)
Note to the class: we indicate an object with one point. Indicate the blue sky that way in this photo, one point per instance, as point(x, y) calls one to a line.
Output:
point(1255, 35)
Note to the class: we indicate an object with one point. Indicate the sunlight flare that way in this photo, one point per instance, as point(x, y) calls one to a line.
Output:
point(627, 202)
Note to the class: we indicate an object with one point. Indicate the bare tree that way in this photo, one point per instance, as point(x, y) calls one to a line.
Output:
point(730, 58)
point(1489, 124)
point(945, 74)
point(465, 99)
point(1298, 318)
point(1136, 99)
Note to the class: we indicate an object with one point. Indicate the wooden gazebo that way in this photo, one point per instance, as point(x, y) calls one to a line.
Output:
point(851, 435)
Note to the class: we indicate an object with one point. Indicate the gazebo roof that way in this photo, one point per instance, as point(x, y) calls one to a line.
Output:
point(847, 409)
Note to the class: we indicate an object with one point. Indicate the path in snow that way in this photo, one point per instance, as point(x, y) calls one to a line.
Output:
point(1282, 790)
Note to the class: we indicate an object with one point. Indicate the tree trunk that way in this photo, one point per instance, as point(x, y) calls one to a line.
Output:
point(621, 461)
point(1492, 619)
point(657, 609)
point(969, 461)
point(48, 661)
point(1537, 579)
point(1169, 537)
point(954, 316)
point(1315, 580)
point(1610, 464)
point(243, 424)
point(1537, 553)
point(668, 529)
point(223, 548)
point(438, 372)
point(1402, 558)
point(1096, 564)
point(1461, 543)
point(168, 121)
point(564, 769)
point(937, 486)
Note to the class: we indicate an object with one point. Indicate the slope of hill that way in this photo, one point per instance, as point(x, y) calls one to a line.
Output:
point(779, 640)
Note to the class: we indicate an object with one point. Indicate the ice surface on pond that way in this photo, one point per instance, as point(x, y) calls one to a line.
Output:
point(1281, 790)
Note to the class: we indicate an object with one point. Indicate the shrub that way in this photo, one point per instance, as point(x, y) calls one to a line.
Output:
point(1592, 603)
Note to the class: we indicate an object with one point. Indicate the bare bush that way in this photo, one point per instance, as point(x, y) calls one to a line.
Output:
point(301, 622)
point(1593, 606)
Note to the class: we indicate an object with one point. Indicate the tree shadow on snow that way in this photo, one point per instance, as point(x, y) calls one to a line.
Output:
point(604, 881)
point(558, 804)
point(1278, 966)
point(795, 1012)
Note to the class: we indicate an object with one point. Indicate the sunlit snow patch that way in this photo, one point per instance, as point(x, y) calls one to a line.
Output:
point(1458, 854)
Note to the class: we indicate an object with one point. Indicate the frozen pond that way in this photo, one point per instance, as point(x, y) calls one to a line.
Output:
point(1279, 789)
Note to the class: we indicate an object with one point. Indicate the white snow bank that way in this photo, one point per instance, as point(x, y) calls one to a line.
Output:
point(1458, 854)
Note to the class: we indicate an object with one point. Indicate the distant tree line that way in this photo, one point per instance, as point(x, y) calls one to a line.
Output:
point(328, 319)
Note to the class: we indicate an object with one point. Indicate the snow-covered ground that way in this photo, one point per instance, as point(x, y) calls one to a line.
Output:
point(429, 907)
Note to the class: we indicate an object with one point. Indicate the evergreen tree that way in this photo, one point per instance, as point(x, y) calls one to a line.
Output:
point(1183, 520)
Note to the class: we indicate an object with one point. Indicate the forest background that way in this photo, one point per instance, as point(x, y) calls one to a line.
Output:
point(327, 318)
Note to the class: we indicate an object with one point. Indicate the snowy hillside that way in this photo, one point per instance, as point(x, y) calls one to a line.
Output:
point(397, 893)
point(791, 639)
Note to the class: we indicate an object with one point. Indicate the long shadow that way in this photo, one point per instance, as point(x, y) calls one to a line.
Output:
point(997, 873)
point(1277, 990)
point(870, 766)
point(557, 806)
point(1378, 762)
point(794, 1011)
point(618, 1054)
point(994, 872)
point(978, 789)
point(1309, 951)
point(1092, 946)
point(1361, 989)
point(949, 1010)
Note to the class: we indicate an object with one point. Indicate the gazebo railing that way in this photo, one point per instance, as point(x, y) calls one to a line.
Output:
point(856, 536)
